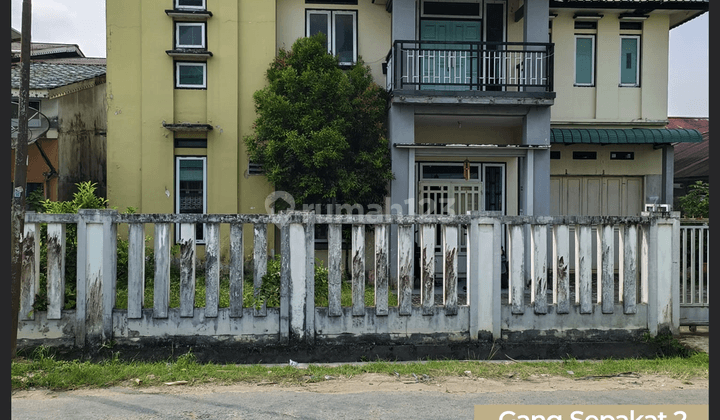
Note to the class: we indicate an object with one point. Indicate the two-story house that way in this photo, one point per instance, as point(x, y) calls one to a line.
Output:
point(68, 89)
point(535, 107)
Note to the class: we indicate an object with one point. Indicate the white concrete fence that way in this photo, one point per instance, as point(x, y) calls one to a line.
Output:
point(640, 293)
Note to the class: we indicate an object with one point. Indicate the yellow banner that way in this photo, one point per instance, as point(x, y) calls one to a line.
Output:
point(592, 412)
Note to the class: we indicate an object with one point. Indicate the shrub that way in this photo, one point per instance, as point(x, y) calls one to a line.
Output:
point(696, 203)
point(84, 198)
point(270, 289)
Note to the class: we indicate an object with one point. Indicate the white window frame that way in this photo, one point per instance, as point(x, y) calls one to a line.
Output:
point(592, 67)
point(179, 6)
point(178, 64)
point(331, 15)
point(637, 61)
point(178, 159)
point(177, 35)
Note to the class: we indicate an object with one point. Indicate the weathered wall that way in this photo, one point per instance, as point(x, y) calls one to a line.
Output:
point(82, 141)
point(37, 166)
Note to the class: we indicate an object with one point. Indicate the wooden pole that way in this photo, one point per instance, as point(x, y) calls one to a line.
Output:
point(18, 200)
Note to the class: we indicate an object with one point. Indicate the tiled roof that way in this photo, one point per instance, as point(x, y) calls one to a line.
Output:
point(53, 75)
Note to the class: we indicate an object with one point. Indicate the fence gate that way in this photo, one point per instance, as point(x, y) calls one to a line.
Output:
point(694, 275)
point(450, 198)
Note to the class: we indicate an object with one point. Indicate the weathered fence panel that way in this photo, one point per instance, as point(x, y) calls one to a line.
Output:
point(55, 269)
point(648, 296)
point(30, 270)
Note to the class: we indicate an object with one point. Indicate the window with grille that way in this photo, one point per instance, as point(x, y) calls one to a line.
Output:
point(191, 189)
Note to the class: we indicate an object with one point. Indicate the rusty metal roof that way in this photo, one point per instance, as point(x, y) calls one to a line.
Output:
point(692, 159)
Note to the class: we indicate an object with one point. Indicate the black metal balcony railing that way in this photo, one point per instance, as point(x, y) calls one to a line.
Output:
point(480, 66)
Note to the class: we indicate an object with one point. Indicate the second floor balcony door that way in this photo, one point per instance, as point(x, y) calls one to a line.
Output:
point(450, 66)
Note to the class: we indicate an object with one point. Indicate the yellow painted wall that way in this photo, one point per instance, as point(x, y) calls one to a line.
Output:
point(648, 161)
point(373, 29)
point(141, 96)
point(607, 102)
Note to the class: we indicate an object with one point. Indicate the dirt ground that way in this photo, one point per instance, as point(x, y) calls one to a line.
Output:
point(387, 383)
point(697, 340)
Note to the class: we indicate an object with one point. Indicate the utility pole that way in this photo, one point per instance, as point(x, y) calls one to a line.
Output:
point(17, 222)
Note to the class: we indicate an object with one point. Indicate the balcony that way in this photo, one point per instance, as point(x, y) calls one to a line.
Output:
point(471, 72)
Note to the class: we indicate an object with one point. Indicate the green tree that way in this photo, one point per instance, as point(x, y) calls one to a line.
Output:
point(321, 131)
point(696, 203)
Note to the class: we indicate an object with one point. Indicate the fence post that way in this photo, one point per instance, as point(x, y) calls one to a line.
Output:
point(583, 268)
point(295, 233)
point(561, 268)
point(516, 287)
point(96, 275)
point(483, 273)
point(666, 287)
point(30, 282)
point(136, 270)
point(187, 269)
point(55, 269)
point(309, 222)
point(538, 245)
point(676, 272)
point(649, 272)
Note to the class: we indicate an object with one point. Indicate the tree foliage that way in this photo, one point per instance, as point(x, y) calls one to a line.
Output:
point(696, 203)
point(321, 133)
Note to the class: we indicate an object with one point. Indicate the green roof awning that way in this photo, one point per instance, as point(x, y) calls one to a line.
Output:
point(623, 136)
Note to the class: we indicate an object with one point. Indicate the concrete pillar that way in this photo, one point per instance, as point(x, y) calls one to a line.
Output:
point(535, 20)
point(296, 238)
point(401, 129)
point(668, 174)
point(403, 19)
point(483, 279)
point(96, 276)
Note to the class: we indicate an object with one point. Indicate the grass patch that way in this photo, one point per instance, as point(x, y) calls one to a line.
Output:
point(42, 370)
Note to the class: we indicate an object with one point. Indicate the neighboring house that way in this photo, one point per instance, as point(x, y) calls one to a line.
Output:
point(181, 75)
point(541, 107)
point(69, 89)
point(692, 160)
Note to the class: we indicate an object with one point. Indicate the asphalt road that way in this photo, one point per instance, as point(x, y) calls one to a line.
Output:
point(121, 403)
point(230, 403)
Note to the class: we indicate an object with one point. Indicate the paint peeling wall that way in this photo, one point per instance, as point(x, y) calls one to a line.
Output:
point(82, 140)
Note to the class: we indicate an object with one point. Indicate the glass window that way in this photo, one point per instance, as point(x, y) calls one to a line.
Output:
point(319, 21)
point(189, 35)
point(190, 4)
point(340, 27)
point(191, 189)
point(190, 75)
point(584, 60)
point(629, 57)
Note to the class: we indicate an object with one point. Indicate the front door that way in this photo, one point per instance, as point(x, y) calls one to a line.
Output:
point(451, 66)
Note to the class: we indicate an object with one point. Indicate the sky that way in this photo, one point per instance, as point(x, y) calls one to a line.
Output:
point(82, 22)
